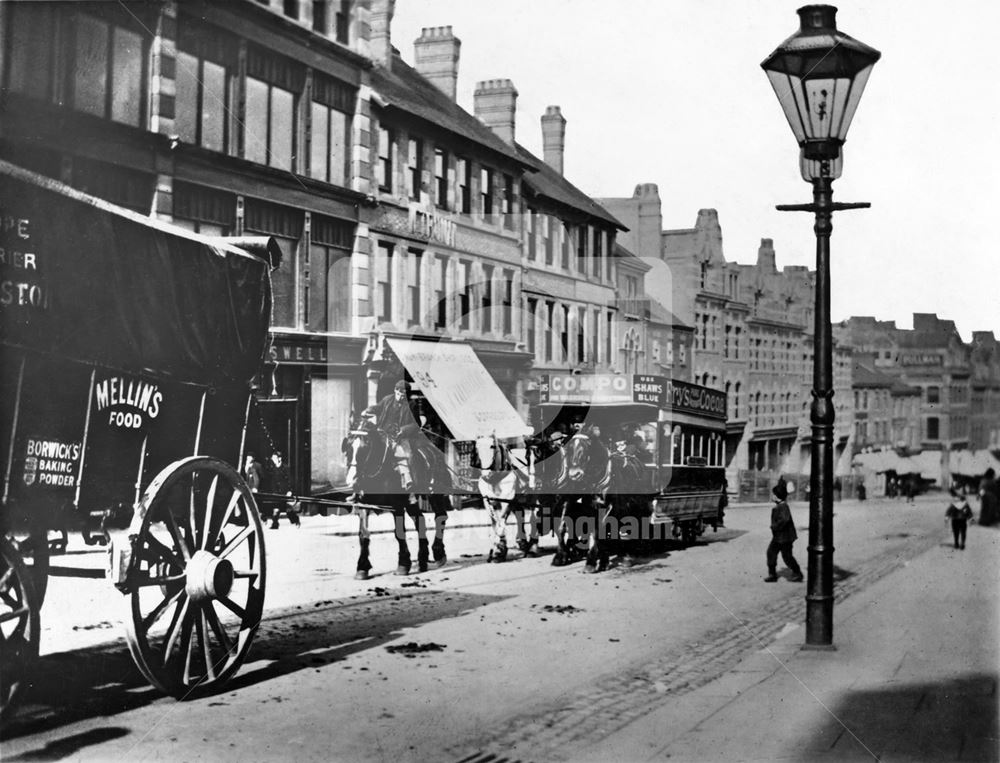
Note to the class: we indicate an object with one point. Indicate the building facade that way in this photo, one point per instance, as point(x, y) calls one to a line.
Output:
point(239, 118)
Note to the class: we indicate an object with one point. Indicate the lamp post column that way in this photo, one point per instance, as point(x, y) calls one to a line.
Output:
point(819, 597)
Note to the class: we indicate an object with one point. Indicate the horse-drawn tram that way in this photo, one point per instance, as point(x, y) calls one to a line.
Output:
point(128, 348)
point(666, 440)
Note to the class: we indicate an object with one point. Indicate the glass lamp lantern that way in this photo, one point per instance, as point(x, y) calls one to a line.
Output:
point(819, 75)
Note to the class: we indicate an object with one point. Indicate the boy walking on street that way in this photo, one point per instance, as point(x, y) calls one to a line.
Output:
point(783, 535)
point(959, 513)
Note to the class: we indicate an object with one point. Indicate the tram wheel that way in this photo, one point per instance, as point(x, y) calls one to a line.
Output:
point(19, 625)
point(197, 581)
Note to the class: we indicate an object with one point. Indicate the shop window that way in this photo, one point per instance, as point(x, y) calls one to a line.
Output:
point(269, 119)
point(487, 299)
point(465, 293)
point(440, 291)
point(285, 224)
point(30, 67)
point(530, 329)
point(383, 170)
point(414, 271)
point(343, 22)
point(486, 192)
point(609, 261)
point(108, 71)
point(932, 428)
point(383, 282)
point(464, 171)
point(331, 403)
point(597, 252)
point(441, 195)
point(415, 163)
point(331, 279)
point(202, 102)
point(330, 129)
point(532, 224)
point(508, 202)
point(507, 309)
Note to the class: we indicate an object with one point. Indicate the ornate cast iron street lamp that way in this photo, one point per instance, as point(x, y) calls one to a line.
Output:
point(818, 75)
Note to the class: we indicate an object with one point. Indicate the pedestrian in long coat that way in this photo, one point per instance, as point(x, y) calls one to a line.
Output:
point(783, 535)
point(989, 499)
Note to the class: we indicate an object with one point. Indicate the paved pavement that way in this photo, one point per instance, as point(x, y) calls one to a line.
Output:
point(913, 677)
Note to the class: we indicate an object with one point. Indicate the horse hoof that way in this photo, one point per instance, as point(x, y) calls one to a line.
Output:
point(522, 546)
point(439, 563)
point(402, 570)
point(361, 575)
point(590, 569)
point(628, 561)
point(558, 561)
point(422, 566)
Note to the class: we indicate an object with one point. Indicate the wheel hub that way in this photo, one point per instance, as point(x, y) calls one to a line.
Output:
point(208, 576)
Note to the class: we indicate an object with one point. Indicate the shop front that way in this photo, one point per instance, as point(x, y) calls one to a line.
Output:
point(309, 389)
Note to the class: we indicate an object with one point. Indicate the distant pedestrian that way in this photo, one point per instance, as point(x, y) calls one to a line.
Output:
point(279, 482)
point(862, 491)
point(989, 499)
point(252, 473)
point(959, 513)
point(910, 488)
point(783, 535)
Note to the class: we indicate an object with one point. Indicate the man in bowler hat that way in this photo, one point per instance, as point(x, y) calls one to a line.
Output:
point(783, 535)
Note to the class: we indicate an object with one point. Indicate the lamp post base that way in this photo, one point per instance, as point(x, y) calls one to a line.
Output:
point(819, 648)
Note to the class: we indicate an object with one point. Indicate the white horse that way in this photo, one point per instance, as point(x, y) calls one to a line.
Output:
point(506, 480)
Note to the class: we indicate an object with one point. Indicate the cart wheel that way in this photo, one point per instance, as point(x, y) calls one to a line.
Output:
point(197, 582)
point(18, 625)
point(34, 551)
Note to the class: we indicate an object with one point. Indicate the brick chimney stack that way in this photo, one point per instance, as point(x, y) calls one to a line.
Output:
point(380, 23)
point(435, 52)
point(554, 137)
point(495, 105)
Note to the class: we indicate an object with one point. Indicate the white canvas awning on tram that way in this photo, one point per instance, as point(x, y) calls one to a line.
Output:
point(459, 388)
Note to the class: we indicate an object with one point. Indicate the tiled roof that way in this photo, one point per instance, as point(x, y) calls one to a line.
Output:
point(550, 184)
point(405, 89)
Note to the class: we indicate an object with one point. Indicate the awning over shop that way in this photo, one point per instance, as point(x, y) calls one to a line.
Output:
point(969, 463)
point(887, 461)
point(460, 389)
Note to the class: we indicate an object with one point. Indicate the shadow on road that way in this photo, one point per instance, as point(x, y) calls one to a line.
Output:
point(60, 749)
point(103, 681)
point(955, 719)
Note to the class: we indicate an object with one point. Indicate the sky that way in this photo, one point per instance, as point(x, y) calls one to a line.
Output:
point(671, 92)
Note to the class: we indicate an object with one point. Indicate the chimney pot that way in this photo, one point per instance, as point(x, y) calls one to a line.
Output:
point(380, 24)
point(495, 105)
point(436, 54)
point(554, 138)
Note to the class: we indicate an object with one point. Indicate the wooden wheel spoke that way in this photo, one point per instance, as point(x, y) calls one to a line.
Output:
point(233, 501)
point(175, 532)
point(209, 505)
point(9, 600)
point(177, 623)
point(15, 614)
point(245, 533)
point(217, 628)
point(187, 644)
point(157, 612)
point(206, 647)
point(233, 607)
point(161, 550)
point(5, 580)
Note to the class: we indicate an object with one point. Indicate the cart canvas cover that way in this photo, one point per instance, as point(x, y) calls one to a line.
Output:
point(88, 281)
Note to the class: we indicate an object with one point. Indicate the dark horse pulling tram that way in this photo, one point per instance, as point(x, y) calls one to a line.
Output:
point(671, 432)
point(128, 348)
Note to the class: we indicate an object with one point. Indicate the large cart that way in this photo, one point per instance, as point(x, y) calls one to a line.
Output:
point(127, 352)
